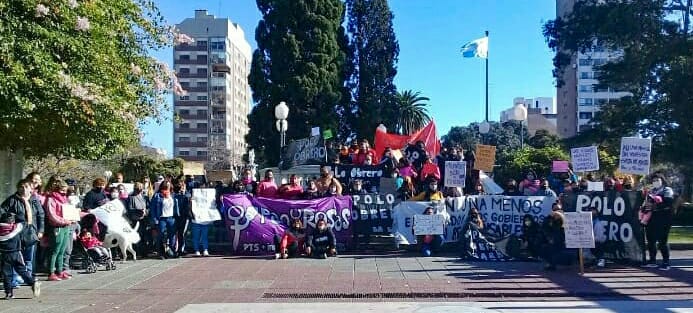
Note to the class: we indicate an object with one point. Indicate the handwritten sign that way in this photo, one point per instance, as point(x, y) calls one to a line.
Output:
point(485, 158)
point(578, 230)
point(560, 167)
point(635, 155)
point(70, 212)
point(429, 224)
point(455, 173)
point(204, 206)
point(193, 168)
point(585, 159)
point(595, 186)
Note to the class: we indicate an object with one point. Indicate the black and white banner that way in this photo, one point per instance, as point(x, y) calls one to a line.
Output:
point(372, 213)
point(304, 151)
point(369, 174)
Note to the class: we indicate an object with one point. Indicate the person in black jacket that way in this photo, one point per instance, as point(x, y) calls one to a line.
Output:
point(657, 230)
point(11, 257)
point(321, 242)
point(29, 213)
point(95, 197)
point(554, 249)
point(182, 219)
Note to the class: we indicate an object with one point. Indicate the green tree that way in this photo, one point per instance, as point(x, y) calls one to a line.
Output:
point(515, 163)
point(76, 76)
point(542, 138)
point(411, 112)
point(653, 38)
point(375, 52)
point(299, 59)
point(134, 168)
point(505, 136)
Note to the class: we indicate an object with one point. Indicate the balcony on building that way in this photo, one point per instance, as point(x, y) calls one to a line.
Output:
point(193, 116)
point(195, 89)
point(191, 144)
point(219, 115)
point(191, 75)
point(199, 61)
point(181, 130)
point(217, 130)
point(193, 158)
point(193, 47)
point(190, 103)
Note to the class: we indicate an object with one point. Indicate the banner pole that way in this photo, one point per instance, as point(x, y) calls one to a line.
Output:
point(581, 261)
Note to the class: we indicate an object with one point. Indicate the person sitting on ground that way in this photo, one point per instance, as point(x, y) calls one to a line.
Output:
point(267, 188)
point(292, 243)
point(93, 244)
point(428, 244)
point(292, 190)
point(312, 191)
point(326, 180)
point(532, 236)
point(11, 256)
point(554, 250)
point(545, 190)
point(431, 194)
point(322, 242)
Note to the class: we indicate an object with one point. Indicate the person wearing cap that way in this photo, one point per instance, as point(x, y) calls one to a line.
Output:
point(659, 225)
point(432, 193)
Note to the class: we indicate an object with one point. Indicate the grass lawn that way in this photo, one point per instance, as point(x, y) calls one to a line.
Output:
point(682, 234)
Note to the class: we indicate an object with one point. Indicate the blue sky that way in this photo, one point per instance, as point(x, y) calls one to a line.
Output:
point(430, 35)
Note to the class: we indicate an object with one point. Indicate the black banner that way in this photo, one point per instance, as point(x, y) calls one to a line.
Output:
point(371, 214)
point(617, 230)
point(304, 151)
point(369, 174)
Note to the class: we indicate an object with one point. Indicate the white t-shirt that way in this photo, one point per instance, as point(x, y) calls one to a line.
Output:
point(167, 207)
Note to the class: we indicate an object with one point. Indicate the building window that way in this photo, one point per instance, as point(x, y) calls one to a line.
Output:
point(598, 62)
point(201, 125)
point(585, 75)
point(184, 70)
point(218, 45)
point(601, 101)
point(202, 84)
point(185, 125)
point(185, 84)
point(184, 112)
point(201, 139)
point(585, 101)
point(585, 62)
point(184, 98)
point(201, 98)
point(184, 57)
point(184, 153)
point(183, 139)
point(202, 71)
point(585, 115)
point(201, 153)
point(586, 88)
point(202, 112)
point(201, 59)
point(202, 43)
point(601, 89)
point(219, 75)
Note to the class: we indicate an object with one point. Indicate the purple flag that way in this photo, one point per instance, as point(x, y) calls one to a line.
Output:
point(253, 222)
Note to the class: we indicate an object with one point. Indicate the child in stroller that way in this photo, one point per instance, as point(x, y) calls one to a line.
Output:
point(96, 254)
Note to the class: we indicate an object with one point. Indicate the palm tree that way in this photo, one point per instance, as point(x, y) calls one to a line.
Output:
point(412, 112)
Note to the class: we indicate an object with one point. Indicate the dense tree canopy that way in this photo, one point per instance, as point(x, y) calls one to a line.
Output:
point(300, 59)
point(653, 38)
point(505, 136)
point(76, 75)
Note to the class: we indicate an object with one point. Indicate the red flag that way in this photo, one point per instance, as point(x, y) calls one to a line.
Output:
point(426, 134)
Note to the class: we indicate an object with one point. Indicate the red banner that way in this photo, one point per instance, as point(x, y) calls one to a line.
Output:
point(426, 134)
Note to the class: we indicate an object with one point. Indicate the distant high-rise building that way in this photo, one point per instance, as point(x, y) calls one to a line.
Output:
point(214, 71)
point(578, 98)
point(541, 114)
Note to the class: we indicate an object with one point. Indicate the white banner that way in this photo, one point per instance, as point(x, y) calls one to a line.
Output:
point(204, 207)
point(112, 215)
point(585, 159)
point(635, 156)
point(502, 215)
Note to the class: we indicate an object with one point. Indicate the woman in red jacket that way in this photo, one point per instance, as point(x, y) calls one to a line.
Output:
point(291, 244)
point(60, 232)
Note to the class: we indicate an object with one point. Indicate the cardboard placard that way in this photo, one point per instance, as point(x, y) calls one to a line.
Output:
point(70, 212)
point(485, 158)
point(578, 230)
point(429, 224)
point(193, 168)
point(560, 167)
point(585, 159)
point(635, 155)
point(455, 173)
point(204, 206)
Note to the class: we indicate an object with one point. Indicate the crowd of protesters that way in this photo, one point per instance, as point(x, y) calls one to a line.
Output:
point(35, 236)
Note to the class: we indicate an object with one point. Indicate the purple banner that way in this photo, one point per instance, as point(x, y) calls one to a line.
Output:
point(252, 222)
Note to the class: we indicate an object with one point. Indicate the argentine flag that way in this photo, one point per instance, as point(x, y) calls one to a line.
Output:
point(476, 49)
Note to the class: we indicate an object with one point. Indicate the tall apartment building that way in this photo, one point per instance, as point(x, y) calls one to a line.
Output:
point(541, 113)
point(214, 71)
point(578, 98)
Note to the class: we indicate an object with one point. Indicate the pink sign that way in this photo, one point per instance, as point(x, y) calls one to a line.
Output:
point(560, 167)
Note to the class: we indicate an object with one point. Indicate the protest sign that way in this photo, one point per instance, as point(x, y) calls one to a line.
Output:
point(560, 167)
point(304, 151)
point(369, 174)
point(595, 186)
point(455, 173)
point(372, 213)
point(485, 158)
point(193, 168)
point(253, 222)
point(635, 155)
point(70, 212)
point(204, 206)
point(387, 186)
point(578, 230)
point(502, 215)
point(315, 131)
point(617, 221)
point(428, 224)
point(585, 159)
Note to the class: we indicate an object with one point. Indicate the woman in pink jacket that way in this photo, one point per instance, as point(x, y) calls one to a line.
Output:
point(59, 232)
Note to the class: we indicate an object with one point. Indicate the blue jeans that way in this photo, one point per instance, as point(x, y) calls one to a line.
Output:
point(28, 255)
point(166, 225)
point(199, 236)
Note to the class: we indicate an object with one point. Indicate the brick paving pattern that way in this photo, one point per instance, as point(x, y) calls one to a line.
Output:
point(165, 286)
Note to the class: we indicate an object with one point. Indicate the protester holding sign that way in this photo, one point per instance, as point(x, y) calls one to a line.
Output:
point(429, 171)
point(658, 227)
point(554, 249)
point(431, 194)
point(428, 243)
point(406, 169)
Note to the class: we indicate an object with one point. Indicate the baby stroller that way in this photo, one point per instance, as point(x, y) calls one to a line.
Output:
point(89, 260)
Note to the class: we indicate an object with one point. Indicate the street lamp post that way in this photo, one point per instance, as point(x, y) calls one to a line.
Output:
point(519, 113)
point(484, 128)
point(281, 113)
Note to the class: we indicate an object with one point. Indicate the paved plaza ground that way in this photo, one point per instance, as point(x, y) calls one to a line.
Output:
point(227, 284)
